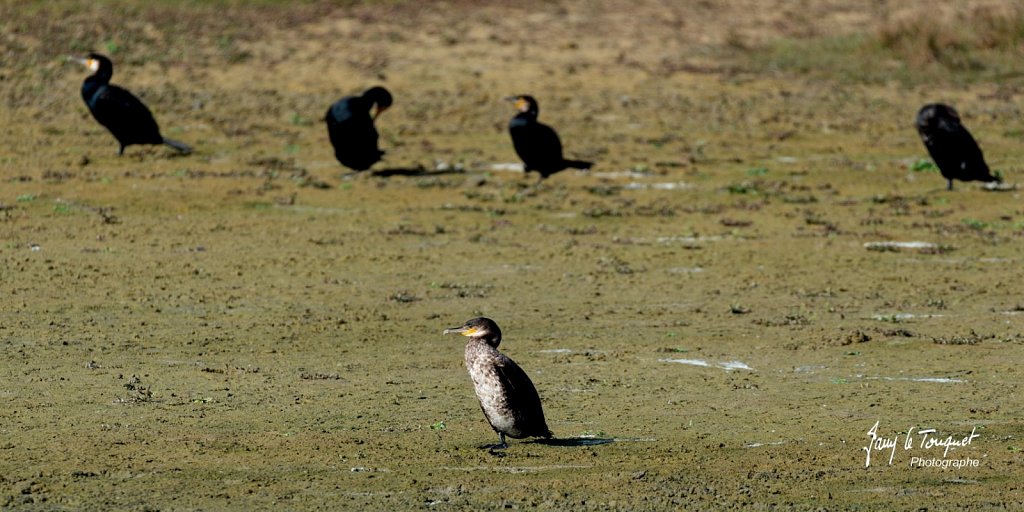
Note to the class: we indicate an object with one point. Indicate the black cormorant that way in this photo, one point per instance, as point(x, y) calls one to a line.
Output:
point(119, 110)
point(351, 130)
point(537, 144)
point(506, 394)
point(951, 146)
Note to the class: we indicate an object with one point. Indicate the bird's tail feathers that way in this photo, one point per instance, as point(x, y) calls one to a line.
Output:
point(578, 164)
point(180, 146)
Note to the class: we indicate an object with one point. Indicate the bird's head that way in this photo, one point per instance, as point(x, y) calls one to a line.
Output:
point(479, 328)
point(380, 97)
point(525, 103)
point(94, 62)
point(936, 116)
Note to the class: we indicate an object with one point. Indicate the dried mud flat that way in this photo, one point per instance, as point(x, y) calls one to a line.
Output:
point(716, 315)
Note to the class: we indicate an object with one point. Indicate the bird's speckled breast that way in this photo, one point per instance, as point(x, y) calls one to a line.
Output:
point(480, 362)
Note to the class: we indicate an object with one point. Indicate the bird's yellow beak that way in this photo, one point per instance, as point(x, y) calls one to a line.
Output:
point(92, 64)
point(522, 105)
point(465, 331)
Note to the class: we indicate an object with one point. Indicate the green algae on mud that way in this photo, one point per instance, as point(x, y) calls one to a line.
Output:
point(219, 331)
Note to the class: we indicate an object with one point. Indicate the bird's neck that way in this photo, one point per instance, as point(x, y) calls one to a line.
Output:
point(492, 342)
point(92, 85)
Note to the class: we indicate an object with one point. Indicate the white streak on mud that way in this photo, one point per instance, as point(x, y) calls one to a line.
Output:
point(507, 166)
point(686, 239)
point(758, 445)
point(685, 270)
point(898, 317)
point(728, 365)
point(901, 245)
point(665, 185)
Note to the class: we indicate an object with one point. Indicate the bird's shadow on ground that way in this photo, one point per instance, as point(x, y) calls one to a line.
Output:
point(569, 442)
point(414, 171)
point(575, 441)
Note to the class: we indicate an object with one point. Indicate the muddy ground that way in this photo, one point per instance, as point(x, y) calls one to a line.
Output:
point(711, 315)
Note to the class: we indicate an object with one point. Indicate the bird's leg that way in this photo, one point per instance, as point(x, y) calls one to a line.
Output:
point(949, 186)
point(500, 446)
point(120, 152)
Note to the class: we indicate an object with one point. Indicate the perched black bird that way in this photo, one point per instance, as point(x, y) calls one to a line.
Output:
point(507, 397)
point(119, 110)
point(951, 145)
point(537, 144)
point(351, 130)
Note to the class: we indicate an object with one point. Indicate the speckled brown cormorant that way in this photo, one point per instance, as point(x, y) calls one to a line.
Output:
point(350, 127)
point(506, 394)
point(951, 146)
point(118, 110)
point(536, 143)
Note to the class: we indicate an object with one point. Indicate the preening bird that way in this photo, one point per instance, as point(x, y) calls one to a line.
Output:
point(951, 146)
point(536, 143)
point(350, 128)
point(507, 396)
point(118, 110)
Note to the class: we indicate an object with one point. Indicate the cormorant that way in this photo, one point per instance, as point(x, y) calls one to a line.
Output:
point(506, 394)
point(536, 143)
point(118, 110)
point(951, 146)
point(351, 130)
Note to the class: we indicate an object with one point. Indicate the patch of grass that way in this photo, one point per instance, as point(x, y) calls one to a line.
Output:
point(596, 212)
point(924, 165)
point(298, 119)
point(757, 171)
point(913, 43)
point(976, 224)
point(258, 205)
point(111, 47)
point(604, 190)
point(26, 198)
point(200, 31)
point(745, 188)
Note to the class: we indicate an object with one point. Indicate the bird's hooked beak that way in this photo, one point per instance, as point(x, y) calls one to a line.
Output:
point(464, 330)
point(378, 110)
point(92, 64)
